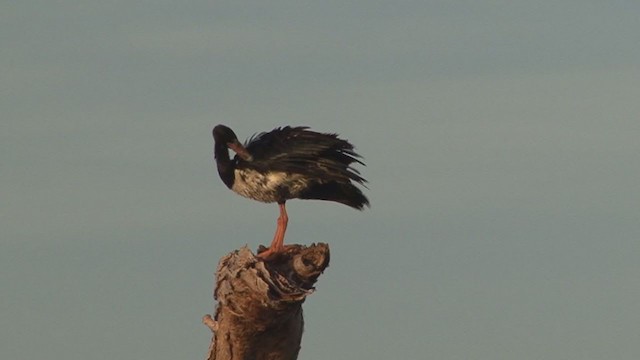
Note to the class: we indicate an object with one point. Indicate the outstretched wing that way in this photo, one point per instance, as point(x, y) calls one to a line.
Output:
point(299, 150)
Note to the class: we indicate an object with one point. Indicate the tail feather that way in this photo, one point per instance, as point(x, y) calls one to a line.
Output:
point(343, 193)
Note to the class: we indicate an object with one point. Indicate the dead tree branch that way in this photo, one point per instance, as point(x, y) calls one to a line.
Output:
point(259, 312)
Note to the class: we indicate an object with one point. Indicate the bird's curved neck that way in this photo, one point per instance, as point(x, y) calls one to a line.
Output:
point(226, 166)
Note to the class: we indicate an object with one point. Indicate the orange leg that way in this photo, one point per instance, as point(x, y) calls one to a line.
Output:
point(277, 244)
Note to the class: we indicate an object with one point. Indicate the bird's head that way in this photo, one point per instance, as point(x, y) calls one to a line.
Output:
point(225, 137)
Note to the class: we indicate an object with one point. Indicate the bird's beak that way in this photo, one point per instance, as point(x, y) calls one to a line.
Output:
point(240, 150)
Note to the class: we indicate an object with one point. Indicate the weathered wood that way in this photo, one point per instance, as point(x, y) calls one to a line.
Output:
point(259, 311)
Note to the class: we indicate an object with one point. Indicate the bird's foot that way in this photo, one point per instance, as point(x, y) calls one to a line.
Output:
point(273, 253)
point(268, 255)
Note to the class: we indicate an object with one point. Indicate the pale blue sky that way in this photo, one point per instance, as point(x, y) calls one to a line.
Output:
point(501, 139)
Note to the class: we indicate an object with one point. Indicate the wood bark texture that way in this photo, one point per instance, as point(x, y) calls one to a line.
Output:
point(259, 311)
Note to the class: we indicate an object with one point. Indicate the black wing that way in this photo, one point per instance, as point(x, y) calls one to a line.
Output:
point(299, 150)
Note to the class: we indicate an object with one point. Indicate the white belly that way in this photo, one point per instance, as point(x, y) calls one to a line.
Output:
point(268, 187)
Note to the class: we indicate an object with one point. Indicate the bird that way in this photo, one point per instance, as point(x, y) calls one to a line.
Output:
point(289, 163)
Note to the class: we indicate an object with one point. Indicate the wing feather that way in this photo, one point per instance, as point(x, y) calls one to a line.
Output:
point(300, 150)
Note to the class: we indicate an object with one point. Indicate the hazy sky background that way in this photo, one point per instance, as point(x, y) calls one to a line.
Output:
point(503, 153)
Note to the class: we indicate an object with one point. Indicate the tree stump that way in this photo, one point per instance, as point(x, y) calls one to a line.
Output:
point(259, 312)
